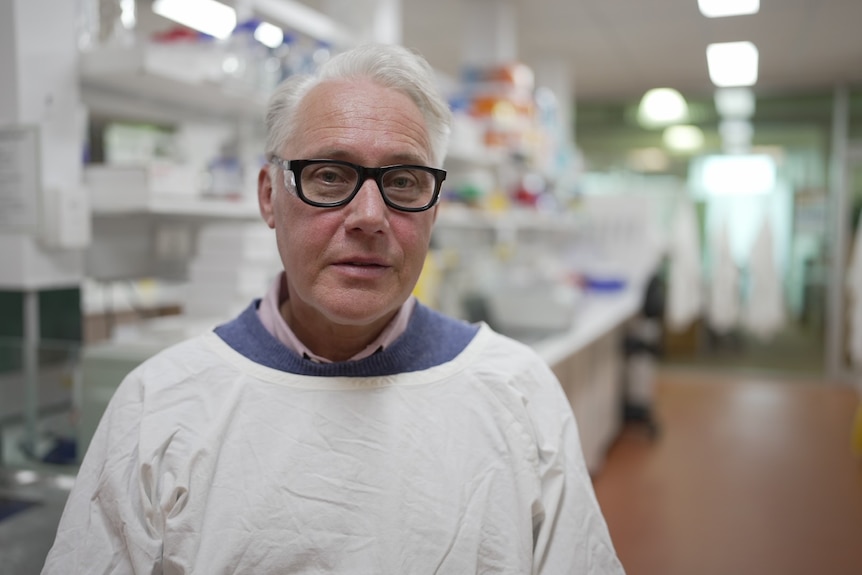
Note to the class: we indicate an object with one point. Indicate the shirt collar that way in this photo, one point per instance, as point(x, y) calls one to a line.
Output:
point(272, 320)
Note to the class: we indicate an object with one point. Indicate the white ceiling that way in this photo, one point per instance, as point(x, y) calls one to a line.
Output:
point(617, 49)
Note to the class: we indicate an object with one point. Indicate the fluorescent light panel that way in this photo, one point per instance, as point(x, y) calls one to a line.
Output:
point(207, 16)
point(269, 35)
point(732, 64)
point(127, 14)
point(734, 102)
point(736, 175)
point(303, 19)
point(683, 138)
point(661, 107)
point(722, 8)
point(736, 136)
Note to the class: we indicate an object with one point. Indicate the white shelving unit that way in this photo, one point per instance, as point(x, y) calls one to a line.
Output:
point(164, 84)
point(193, 208)
point(163, 81)
point(164, 191)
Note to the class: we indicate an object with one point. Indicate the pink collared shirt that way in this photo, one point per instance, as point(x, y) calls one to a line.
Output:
point(272, 320)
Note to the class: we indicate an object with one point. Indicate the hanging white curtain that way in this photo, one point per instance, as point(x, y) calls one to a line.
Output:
point(723, 309)
point(854, 297)
point(764, 309)
point(684, 296)
point(854, 300)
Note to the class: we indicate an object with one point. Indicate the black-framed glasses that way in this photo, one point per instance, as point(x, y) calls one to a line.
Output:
point(333, 183)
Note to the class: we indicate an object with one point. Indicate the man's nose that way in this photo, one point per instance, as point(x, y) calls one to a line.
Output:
point(367, 210)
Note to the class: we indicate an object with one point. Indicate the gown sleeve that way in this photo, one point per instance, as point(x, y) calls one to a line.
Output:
point(570, 533)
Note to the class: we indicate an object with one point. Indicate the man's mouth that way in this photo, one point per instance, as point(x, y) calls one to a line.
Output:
point(363, 262)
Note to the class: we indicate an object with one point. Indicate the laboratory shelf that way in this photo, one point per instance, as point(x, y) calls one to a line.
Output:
point(148, 79)
point(203, 208)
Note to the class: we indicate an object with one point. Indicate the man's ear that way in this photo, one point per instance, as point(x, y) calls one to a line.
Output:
point(265, 196)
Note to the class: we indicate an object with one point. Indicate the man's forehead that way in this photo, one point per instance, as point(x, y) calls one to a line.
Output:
point(336, 116)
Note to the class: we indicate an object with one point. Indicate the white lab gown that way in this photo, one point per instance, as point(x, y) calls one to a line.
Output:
point(208, 462)
point(764, 306)
point(684, 298)
point(723, 309)
point(854, 299)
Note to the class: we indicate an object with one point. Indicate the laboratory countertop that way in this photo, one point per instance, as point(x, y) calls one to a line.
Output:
point(597, 314)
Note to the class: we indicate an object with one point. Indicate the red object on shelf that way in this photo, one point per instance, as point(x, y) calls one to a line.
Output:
point(177, 34)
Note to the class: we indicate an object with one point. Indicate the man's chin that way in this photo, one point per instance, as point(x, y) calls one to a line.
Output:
point(358, 311)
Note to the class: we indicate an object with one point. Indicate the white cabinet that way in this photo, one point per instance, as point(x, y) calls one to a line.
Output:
point(588, 360)
point(591, 378)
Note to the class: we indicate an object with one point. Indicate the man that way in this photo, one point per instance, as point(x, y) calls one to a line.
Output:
point(337, 425)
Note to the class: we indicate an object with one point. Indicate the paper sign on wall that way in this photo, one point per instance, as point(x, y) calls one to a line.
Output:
point(19, 179)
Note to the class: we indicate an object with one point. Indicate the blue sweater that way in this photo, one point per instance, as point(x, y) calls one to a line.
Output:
point(430, 339)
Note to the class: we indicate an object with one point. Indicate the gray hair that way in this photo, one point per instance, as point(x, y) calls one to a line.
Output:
point(387, 65)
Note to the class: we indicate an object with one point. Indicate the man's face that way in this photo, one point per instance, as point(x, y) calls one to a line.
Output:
point(356, 264)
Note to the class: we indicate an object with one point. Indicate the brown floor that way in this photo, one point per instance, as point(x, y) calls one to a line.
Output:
point(749, 476)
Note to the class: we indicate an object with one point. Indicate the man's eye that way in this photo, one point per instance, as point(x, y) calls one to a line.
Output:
point(332, 175)
point(401, 180)
point(328, 176)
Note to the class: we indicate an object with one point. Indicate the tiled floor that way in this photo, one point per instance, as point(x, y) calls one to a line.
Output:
point(749, 476)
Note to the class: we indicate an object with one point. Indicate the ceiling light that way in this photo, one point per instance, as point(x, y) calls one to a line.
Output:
point(736, 136)
point(305, 20)
point(732, 64)
point(736, 175)
point(734, 103)
point(207, 16)
point(736, 130)
point(683, 138)
point(721, 8)
point(269, 35)
point(662, 106)
point(127, 14)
